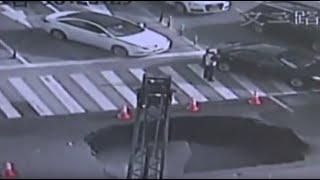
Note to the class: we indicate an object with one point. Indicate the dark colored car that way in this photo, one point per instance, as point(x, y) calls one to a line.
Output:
point(296, 67)
point(289, 20)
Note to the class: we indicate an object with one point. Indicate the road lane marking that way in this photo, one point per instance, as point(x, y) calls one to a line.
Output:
point(138, 73)
point(31, 97)
point(183, 84)
point(7, 108)
point(247, 84)
point(283, 87)
point(121, 87)
point(11, 51)
point(93, 92)
point(169, 56)
point(216, 85)
point(16, 15)
point(62, 95)
point(281, 104)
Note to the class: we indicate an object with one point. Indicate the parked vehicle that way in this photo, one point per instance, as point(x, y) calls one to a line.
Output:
point(122, 37)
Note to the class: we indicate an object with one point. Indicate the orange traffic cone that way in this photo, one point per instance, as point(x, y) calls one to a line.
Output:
point(10, 172)
point(194, 106)
point(124, 114)
point(255, 100)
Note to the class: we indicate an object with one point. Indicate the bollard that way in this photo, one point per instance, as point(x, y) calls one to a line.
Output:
point(195, 40)
point(163, 20)
point(161, 17)
point(170, 22)
point(181, 30)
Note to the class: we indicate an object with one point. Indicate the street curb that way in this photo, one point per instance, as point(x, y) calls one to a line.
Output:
point(192, 54)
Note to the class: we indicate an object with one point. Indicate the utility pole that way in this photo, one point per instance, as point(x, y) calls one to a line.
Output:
point(151, 129)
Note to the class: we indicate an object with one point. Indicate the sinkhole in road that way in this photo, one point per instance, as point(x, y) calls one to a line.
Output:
point(213, 143)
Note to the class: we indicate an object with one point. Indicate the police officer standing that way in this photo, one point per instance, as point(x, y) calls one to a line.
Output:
point(210, 63)
point(206, 59)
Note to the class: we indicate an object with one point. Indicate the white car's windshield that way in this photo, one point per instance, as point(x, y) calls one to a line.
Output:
point(114, 25)
point(124, 29)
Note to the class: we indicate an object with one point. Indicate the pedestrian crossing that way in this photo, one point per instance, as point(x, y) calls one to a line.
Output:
point(104, 103)
point(62, 95)
point(216, 85)
point(110, 92)
point(183, 84)
point(119, 85)
point(30, 96)
point(7, 107)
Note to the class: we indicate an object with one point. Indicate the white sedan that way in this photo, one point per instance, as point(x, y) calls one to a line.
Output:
point(200, 7)
point(122, 37)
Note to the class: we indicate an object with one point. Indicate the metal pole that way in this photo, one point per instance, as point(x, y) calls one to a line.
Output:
point(170, 22)
point(181, 29)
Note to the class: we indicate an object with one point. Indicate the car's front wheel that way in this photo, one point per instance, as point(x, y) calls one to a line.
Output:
point(224, 67)
point(296, 82)
point(58, 34)
point(119, 51)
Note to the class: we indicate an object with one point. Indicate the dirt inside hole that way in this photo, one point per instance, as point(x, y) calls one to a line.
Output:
point(215, 143)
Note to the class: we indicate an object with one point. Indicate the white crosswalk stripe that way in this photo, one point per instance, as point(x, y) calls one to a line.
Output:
point(93, 92)
point(183, 84)
point(121, 87)
point(7, 108)
point(216, 85)
point(31, 97)
point(247, 84)
point(138, 73)
point(62, 95)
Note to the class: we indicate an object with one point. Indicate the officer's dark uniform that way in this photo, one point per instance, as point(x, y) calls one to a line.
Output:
point(211, 67)
point(206, 60)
